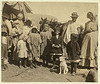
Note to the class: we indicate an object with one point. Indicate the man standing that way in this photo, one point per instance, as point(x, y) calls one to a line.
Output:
point(70, 27)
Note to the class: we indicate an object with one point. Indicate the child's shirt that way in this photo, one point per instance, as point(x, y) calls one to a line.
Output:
point(34, 39)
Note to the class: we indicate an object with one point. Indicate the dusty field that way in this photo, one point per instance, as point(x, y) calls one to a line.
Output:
point(40, 74)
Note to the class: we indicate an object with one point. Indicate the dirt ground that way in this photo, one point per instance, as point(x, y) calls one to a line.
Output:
point(40, 74)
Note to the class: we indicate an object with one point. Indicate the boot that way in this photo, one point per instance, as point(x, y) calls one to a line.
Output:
point(35, 64)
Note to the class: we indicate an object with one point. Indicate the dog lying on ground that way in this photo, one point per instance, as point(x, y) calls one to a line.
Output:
point(63, 66)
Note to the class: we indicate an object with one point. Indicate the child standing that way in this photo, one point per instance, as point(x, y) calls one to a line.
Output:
point(4, 49)
point(56, 50)
point(80, 36)
point(34, 41)
point(46, 35)
point(73, 51)
point(22, 51)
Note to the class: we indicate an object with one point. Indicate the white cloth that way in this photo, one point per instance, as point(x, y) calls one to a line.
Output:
point(72, 28)
point(26, 31)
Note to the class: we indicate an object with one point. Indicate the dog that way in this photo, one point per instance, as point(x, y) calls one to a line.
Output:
point(63, 66)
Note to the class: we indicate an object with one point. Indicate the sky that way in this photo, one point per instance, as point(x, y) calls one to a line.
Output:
point(63, 10)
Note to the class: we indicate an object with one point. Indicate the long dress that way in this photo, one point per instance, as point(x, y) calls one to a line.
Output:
point(34, 41)
point(89, 45)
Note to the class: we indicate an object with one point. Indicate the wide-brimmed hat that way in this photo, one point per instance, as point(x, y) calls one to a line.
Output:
point(74, 14)
point(34, 29)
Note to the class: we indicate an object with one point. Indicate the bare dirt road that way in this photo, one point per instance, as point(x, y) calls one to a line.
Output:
point(40, 74)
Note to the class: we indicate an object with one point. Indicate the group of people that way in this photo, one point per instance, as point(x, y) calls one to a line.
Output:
point(28, 44)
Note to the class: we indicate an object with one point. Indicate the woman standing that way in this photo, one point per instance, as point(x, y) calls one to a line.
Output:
point(90, 40)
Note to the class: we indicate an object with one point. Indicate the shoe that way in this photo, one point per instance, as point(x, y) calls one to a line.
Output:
point(25, 66)
point(31, 67)
point(20, 67)
point(73, 74)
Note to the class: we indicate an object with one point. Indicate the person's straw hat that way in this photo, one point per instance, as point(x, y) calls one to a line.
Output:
point(74, 14)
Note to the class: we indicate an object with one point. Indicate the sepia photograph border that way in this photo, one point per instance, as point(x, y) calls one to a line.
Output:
point(87, 1)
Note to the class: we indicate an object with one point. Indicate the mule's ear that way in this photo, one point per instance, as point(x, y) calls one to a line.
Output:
point(41, 18)
point(54, 20)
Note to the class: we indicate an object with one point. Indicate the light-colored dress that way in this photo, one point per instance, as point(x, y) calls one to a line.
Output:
point(34, 41)
point(89, 45)
point(22, 49)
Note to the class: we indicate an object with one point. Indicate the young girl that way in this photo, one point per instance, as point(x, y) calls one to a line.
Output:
point(4, 49)
point(34, 41)
point(56, 50)
point(73, 51)
point(22, 51)
point(46, 35)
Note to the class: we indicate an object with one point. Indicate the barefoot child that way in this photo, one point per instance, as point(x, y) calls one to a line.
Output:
point(22, 51)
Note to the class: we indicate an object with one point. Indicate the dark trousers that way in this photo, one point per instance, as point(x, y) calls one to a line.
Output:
point(73, 67)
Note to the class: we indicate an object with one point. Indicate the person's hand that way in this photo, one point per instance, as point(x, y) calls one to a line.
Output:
point(59, 45)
